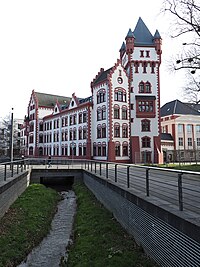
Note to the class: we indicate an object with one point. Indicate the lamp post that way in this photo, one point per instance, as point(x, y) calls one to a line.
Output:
point(11, 138)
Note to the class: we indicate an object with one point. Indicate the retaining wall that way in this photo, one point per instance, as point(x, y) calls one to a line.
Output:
point(169, 239)
point(11, 189)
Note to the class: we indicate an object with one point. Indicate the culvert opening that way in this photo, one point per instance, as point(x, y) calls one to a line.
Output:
point(58, 183)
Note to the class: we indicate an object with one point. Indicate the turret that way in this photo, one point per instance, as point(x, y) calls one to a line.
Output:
point(122, 50)
point(158, 42)
point(129, 42)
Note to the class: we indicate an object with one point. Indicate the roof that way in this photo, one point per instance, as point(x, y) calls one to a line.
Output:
point(166, 136)
point(142, 34)
point(48, 100)
point(102, 76)
point(177, 107)
point(194, 106)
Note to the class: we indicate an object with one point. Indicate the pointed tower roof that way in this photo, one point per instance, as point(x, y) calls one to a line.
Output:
point(123, 47)
point(157, 35)
point(130, 34)
point(142, 34)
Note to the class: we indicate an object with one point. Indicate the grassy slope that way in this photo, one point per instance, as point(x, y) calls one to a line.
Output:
point(26, 223)
point(99, 238)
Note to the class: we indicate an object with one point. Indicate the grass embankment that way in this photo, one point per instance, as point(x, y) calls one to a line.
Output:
point(26, 223)
point(183, 167)
point(99, 240)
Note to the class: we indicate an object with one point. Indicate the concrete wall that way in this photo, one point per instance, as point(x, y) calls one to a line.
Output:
point(167, 237)
point(11, 189)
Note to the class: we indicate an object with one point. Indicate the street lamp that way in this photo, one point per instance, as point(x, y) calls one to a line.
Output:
point(11, 138)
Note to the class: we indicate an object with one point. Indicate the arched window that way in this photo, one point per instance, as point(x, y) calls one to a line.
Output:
point(147, 87)
point(116, 130)
point(103, 130)
point(125, 149)
point(145, 125)
point(99, 115)
point(141, 87)
point(103, 112)
point(94, 149)
point(125, 130)
point(124, 113)
point(146, 141)
point(99, 131)
point(116, 112)
point(120, 95)
point(117, 149)
point(101, 96)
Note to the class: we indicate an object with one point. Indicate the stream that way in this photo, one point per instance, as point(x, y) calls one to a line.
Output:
point(53, 247)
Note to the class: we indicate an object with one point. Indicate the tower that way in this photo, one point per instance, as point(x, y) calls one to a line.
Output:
point(142, 59)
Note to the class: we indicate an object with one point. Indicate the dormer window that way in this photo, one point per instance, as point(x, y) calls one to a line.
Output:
point(72, 104)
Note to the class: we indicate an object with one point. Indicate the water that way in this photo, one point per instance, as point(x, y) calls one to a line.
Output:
point(53, 247)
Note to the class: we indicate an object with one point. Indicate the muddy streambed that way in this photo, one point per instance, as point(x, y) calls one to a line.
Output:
point(53, 247)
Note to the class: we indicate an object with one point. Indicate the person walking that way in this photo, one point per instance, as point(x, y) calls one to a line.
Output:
point(49, 161)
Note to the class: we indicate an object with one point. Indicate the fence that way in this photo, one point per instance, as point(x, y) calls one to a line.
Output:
point(179, 188)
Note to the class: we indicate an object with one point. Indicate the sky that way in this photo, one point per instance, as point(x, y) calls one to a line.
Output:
point(58, 46)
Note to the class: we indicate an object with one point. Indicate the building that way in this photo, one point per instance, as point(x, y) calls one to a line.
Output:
point(120, 121)
point(180, 123)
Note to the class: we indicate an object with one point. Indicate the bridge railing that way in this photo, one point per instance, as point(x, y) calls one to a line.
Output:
point(179, 188)
point(12, 168)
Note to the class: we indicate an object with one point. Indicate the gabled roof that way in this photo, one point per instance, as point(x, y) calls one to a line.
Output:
point(48, 100)
point(142, 34)
point(166, 136)
point(102, 76)
point(177, 107)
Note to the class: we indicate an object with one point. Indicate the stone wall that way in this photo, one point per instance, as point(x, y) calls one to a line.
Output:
point(11, 189)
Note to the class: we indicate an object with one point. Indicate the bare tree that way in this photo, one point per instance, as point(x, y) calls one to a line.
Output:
point(186, 22)
point(192, 88)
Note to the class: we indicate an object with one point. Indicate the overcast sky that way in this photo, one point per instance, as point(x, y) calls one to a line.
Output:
point(58, 46)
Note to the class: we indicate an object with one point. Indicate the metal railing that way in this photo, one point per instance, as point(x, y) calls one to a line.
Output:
point(179, 188)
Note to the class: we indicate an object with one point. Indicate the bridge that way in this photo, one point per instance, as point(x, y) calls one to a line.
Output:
point(159, 207)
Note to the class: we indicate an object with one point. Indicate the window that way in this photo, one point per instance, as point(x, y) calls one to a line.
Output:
point(153, 67)
point(189, 128)
point(125, 149)
point(117, 150)
point(146, 157)
point(103, 113)
point(198, 128)
point(145, 125)
point(101, 96)
point(80, 118)
point(136, 64)
point(124, 113)
point(198, 141)
point(147, 53)
point(116, 130)
point(80, 134)
point(144, 67)
point(180, 128)
point(94, 149)
point(180, 141)
point(144, 87)
point(141, 53)
point(99, 132)
point(141, 87)
point(99, 150)
point(84, 133)
point(116, 112)
point(80, 150)
point(98, 114)
point(120, 95)
point(125, 131)
point(189, 141)
point(103, 131)
point(146, 141)
point(84, 117)
point(145, 106)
